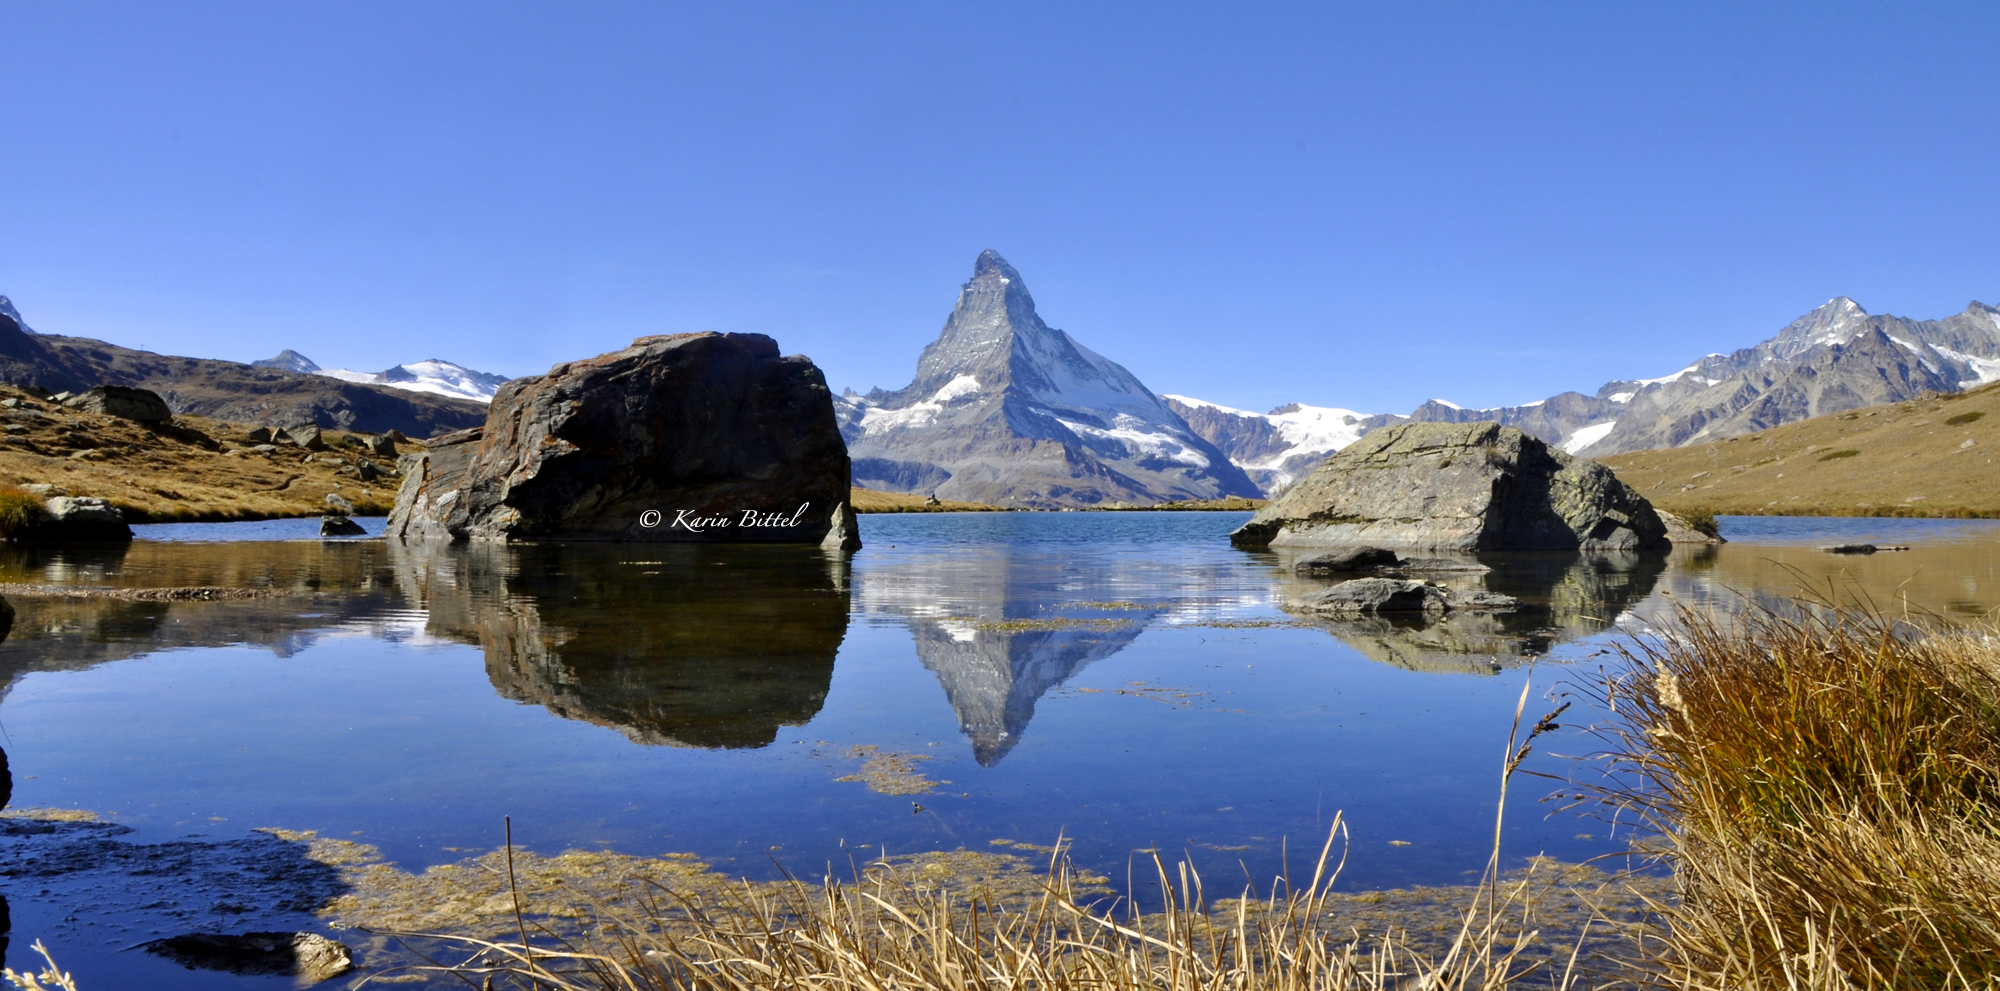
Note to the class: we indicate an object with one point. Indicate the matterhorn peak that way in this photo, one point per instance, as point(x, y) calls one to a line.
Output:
point(1006, 409)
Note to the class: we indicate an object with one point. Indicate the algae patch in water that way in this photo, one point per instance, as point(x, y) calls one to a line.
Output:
point(1054, 625)
point(890, 772)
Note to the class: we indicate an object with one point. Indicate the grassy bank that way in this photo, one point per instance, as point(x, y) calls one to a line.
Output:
point(1930, 457)
point(871, 501)
point(1826, 785)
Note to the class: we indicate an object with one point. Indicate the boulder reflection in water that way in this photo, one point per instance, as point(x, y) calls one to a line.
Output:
point(1563, 596)
point(704, 646)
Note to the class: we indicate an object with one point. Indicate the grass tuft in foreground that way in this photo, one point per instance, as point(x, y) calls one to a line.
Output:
point(1826, 785)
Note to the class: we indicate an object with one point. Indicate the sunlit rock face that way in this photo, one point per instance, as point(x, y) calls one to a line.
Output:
point(675, 645)
point(1460, 488)
point(1007, 410)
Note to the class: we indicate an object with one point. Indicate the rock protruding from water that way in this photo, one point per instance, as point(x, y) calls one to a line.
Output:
point(78, 518)
point(1345, 560)
point(305, 955)
point(143, 405)
point(705, 438)
point(1458, 487)
point(335, 525)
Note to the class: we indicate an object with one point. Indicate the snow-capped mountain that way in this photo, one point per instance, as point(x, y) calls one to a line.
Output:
point(1278, 447)
point(7, 310)
point(1006, 409)
point(1836, 358)
point(434, 375)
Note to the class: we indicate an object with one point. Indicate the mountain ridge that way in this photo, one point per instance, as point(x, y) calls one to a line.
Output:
point(1836, 357)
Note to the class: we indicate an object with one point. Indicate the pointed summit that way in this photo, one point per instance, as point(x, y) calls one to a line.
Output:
point(1006, 409)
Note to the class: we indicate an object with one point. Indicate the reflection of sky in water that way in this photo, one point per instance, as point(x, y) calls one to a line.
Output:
point(1126, 679)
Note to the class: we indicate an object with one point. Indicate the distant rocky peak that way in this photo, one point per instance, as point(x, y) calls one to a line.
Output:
point(1838, 319)
point(289, 360)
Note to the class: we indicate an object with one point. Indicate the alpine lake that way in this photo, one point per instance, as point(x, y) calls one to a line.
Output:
point(1124, 682)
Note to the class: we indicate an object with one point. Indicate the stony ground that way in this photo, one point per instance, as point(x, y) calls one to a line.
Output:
point(194, 469)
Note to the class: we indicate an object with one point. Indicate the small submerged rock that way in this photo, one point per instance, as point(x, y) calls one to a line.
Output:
point(1862, 548)
point(1363, 596)
point(1346, 559)
point(306, 955)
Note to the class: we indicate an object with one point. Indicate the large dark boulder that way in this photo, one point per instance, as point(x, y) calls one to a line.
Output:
point(142, 405)
point(687, 437)
point(1458, 487)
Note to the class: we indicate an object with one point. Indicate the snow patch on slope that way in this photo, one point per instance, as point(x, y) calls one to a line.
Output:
point(433, 375)
point(1586, 436)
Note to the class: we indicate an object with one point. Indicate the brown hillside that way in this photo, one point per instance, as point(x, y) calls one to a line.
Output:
point(193, 469)
point(1927, 457)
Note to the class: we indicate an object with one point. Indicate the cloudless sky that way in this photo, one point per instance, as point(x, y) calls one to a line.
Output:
point(1361, 206)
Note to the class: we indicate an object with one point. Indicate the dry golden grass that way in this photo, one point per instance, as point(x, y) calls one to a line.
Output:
point(871, 501)
point(192, 470)
point(1931, 457)
point(1826, 783)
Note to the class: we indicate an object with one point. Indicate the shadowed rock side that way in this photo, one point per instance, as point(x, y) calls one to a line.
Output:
point(688, 437)
point(1008, 411)
point(999, 631)
point(1562, 597)
point(677, 646)
point(1460, 488)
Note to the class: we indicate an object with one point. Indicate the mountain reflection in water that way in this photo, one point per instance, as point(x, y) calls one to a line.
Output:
point(677, 645)
point(1000, 626)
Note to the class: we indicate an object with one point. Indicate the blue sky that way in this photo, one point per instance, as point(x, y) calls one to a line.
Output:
point(1361, 206)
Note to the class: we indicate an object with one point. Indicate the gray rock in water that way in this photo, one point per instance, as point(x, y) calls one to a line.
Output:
point(1376, 595)
point(334, 525)
point(845, 533)
point(143, 405)
point(1680, 531)
point(1346, 559)
point(339, 503)
point(1458, 487)
point(1365, 596)
point(686, 437)
point(307, 955)
point(79, 518)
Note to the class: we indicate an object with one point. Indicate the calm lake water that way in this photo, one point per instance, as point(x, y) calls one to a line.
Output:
point(1127, 680)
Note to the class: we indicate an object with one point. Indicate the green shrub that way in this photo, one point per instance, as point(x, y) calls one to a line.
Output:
point(1700, 521)
point(1964, 418)
point(1837, 455)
